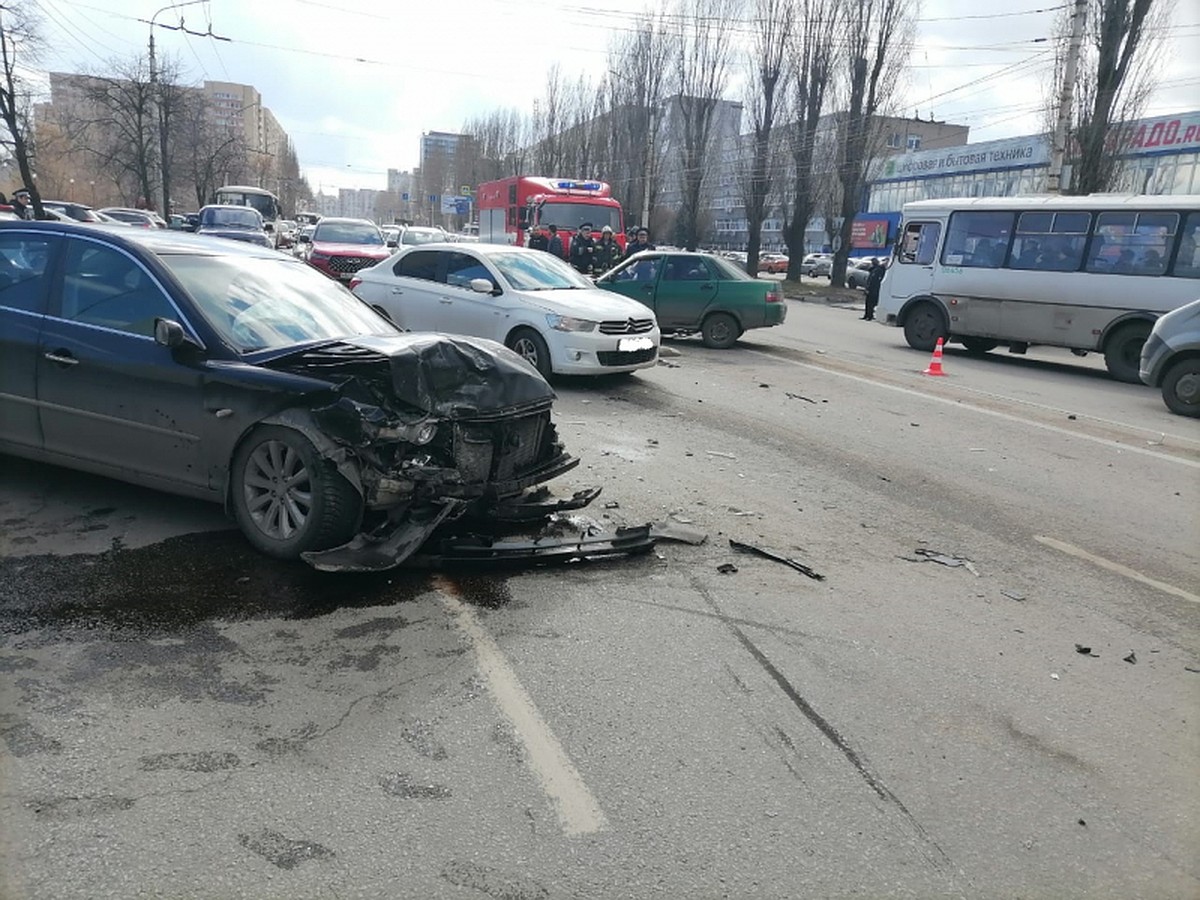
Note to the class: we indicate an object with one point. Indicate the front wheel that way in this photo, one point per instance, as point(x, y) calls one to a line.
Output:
point(1123, 352)
point(979, 346)
point(923, 325)
point(531, 347)
point(1181, 388)
point(720, 331)
point(285, 500)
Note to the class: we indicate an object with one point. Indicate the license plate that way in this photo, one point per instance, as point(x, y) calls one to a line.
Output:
point(627, 345)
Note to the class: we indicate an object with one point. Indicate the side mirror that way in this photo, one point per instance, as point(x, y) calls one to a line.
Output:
point(268, 227)
point(304, 239)
point(482, 286)
point(393, 244)
point(168, 333)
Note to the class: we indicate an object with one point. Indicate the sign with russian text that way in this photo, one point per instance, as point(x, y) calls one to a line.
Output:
point(868, 233)
point(1012, 153)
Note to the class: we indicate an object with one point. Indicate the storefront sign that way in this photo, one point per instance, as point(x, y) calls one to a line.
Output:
point(1177, 132)
point(1012, 153)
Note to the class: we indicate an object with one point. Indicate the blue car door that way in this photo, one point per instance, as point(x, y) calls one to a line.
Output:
point(108, 394)
point(26, 262)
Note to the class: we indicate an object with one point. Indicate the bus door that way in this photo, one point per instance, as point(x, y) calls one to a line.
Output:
point(911, 274)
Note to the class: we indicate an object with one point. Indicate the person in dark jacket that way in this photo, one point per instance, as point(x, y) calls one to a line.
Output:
point(640, 242)
point(874, 280)
point(21, 203)
point(554, 245)
point(538, 240)
point(607, 253)
point(583, 249)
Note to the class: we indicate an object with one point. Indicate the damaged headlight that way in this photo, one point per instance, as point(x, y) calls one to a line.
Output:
point(570, 323)
point(416, 433)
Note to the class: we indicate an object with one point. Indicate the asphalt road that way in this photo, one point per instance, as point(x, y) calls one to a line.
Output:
point(184, 718)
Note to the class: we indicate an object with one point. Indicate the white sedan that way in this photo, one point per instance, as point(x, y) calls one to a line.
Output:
point(528, 300)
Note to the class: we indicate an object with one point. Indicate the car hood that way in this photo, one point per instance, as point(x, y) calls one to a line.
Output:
point(588, 303)
point(238, 234)
point(368, 250)
point(452, 376)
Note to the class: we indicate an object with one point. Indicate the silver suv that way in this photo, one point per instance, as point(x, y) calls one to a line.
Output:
point(1171, 359)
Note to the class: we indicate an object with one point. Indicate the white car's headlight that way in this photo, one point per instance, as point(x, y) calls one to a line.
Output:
point(570, 323)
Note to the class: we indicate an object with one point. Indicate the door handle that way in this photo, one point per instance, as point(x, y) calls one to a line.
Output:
point(707, 286)
point(62, 357)
point(648, 288)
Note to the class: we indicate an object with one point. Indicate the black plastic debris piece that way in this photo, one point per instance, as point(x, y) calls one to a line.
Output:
point(1012, 595)
point(473, 549)
point(538, 504)
point(727, 568)
point(767, 554)
point(924, 554)
point(792, 396)
point(677, 531)
point(1081, 821)
point(1131, 658)
point(1084, 651)
point(1191, 669)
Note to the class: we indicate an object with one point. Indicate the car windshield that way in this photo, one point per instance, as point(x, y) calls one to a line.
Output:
point(231, 217)
point(572, 215)
point(537, 271)
point(413, 236)
point(256, 303)
point(347, 233)
point(729, 272)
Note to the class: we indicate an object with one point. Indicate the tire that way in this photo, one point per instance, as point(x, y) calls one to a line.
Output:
point(325, 515)
point(1181, 388)
point(923, 325)
point(1123, 351)
point(529, 345)
point(720, 331)
point(979, 346)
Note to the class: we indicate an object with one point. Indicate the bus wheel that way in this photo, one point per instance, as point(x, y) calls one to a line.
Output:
point(1123, 352)
point(979, 346)
point(1181, 388)
point(923, 325)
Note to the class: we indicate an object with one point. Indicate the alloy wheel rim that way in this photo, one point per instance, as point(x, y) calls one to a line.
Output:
point(527, 350)
point(277, 489)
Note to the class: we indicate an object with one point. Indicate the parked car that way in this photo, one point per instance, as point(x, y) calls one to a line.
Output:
point(1171, 359)
point(303, 240)
point(816, 264)
point(692, 292)
point(772, 263)
point(235, 223)
point(859, 271)
point(391, 235)
point(229, 372)
point(526, 299)
point(77, 211)
point(141, 218)
point(339, 247)
point(286, 236)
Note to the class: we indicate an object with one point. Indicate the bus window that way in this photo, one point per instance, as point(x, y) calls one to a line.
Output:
point(977, 239)
point(1051, 242)
point(918, 245)
point(1127, 243)
point(1187, 263)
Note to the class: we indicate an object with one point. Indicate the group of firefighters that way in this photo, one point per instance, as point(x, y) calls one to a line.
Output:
point(586, 254)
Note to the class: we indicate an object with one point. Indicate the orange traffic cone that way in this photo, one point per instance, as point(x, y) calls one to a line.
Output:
point(935, 364)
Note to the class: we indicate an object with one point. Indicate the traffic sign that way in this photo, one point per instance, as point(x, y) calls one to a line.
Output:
point(404, 196)
point(433, 198)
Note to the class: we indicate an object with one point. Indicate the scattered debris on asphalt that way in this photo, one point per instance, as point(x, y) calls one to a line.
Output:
point(612, 504)
point(1071, 417)
point(674, 531)
point(727, 568)
point(720, 454)
point(767, 554)
point(792, 396)
point(1191, 669)
point(1131, 658)
point(924, 554)
point(1085, 651)
point(1054, 675)
point(764, 385)
point(1013, 595)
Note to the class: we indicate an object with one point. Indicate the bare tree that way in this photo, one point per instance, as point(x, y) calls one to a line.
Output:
point(205, 153)
point(20, 44)
point(701, 72)
point(812, 53)
point(549, 121)
point(1116, 75)
point(120, 124)
point(878, 38)
point(768, 67)
point(639, 61)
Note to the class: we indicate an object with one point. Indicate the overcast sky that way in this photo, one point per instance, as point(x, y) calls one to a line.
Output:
point(356, 82)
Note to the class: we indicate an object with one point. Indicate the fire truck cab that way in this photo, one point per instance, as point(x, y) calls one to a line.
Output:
point(509, 209)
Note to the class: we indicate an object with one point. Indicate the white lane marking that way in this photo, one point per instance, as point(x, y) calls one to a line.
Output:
point(1103, 563)
point(576, 807)
point(961, 404)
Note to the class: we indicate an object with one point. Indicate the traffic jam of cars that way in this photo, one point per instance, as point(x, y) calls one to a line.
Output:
point(348, 391)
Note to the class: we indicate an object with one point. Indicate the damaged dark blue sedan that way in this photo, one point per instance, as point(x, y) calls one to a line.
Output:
point(223, 371)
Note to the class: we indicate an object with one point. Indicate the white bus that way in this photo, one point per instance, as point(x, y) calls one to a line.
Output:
point(1086, 273)
point(257, 198)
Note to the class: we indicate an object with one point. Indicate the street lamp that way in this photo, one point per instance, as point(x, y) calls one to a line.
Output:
point(162, 122)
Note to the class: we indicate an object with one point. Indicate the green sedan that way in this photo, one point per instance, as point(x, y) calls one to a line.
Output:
point(692, 292)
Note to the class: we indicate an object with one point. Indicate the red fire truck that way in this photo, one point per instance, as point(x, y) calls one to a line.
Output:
point(510, 207)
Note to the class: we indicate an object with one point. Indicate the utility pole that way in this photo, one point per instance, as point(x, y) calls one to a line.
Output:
point(1058, 148)
point(161, 113)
